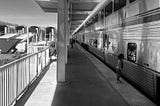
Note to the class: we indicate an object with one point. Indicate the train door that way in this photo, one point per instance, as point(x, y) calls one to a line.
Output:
point(106, 43)
point(100, 40)
point(83, 38)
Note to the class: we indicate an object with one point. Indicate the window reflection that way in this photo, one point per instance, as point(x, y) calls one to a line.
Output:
point(118, 4)
point(131, 52)
point(93, 42)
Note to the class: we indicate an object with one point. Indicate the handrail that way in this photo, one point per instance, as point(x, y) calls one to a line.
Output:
point(22, 58)
point(16, 76)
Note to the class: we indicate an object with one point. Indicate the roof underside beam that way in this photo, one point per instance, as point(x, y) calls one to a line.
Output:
point(76, 22)
point(78, 9)
point(48, 6)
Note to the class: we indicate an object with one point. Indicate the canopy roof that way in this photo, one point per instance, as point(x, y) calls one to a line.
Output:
point(78, 9)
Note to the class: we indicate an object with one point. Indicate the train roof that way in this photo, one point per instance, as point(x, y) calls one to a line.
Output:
point(16, 36)
point(11, 35)
point(24, 36)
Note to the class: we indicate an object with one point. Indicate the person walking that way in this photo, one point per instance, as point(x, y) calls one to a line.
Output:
point(119, 66)
point(71, 42)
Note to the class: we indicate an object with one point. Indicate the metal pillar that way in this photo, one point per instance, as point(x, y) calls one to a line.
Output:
point(61, 41)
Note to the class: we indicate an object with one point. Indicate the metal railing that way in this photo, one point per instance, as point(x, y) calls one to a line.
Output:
point(16, 76)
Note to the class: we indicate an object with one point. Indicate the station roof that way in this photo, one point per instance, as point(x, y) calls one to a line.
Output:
point(78, 9)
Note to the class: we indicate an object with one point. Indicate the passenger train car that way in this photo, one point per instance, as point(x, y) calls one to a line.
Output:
point(50, 34)
point(5, 29)
point(20, 29)
point(131, 27)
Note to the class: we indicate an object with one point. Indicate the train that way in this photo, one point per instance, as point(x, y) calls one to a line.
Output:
point(5, 29)
point(50, 33)
point(47, 33)
point(14, 36)
point(132, 28)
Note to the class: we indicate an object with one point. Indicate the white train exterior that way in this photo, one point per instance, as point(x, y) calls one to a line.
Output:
point(131, 27)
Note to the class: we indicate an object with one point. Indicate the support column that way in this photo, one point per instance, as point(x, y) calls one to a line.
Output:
point(61, 41)
point(68, 33)
point(66, 27)
point(68, 23)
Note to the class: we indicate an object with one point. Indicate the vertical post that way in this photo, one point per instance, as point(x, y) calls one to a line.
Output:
point(37, 35)
point(66, 29)
point(45, 36)
point(29, 70)
point(45, 58)
point(17, 78)
point(61, 41)
point(27, 39)
point(5, 30)
point(37, 64)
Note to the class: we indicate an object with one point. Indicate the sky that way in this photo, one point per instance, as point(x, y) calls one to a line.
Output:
point(25, 12)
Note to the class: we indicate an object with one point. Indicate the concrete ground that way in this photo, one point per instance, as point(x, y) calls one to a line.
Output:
point(127, 91)
point(86, 87)
point(90, 83)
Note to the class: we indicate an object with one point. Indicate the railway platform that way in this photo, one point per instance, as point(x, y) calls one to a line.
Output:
point(89, 83)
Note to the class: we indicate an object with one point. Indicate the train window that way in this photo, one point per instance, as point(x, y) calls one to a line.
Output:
point(92, 20)
point(88, 23)
point(108, 9)
point(99, 15)
point(118, 4)
point(90, 42)
point(130, 1)
point(102, 13)
point(95, 42)
point(83, 38)
point(131, 52)
point(95, 18)
point(106, 41)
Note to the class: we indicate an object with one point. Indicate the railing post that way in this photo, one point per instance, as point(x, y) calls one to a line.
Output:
point(8, 86)
point(37, 64)
point(18, 77)
point(2, 88)
point(29, 69)
point(45, 57)
point(16, 81)
point(41, 61)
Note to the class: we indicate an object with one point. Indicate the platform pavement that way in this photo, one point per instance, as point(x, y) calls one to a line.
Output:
point(42, 91)
point(87, 87)
point(127, 91)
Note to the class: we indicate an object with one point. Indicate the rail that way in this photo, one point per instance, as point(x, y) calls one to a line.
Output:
point(16, 76)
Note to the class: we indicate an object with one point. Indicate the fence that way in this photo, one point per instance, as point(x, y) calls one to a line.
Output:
point(16, 76)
